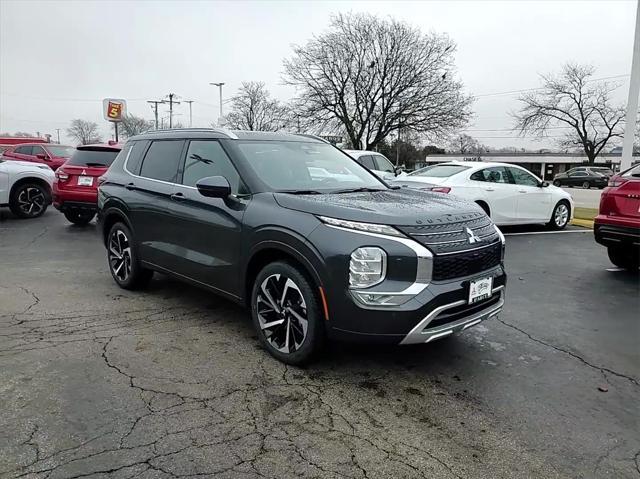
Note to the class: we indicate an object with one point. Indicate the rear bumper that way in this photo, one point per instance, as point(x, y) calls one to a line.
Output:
point(75, 205)
point(609, 234)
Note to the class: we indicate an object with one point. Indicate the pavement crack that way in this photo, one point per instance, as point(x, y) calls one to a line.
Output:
point(602, 369)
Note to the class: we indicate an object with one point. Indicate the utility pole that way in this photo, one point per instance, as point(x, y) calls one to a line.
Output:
point(154, 107)
point(219, 85)
point(171, 97)
point(632, 103)
point(58, 131)
point(190, 117)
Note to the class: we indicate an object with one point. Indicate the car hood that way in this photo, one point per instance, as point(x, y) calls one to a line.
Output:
point(391, 207)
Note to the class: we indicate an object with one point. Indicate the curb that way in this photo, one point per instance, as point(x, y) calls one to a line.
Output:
point(583, 223)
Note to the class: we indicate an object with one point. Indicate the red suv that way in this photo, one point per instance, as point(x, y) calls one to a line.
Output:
point(617, 226)
point(46, 153)
point(75, 189)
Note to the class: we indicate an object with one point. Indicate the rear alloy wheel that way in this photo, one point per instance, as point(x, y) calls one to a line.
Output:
point(586, 185)
point(560, 216)
point(79, 217)
point(29, 200)
point(286, 314)
point(626, 258)
point(123, 263)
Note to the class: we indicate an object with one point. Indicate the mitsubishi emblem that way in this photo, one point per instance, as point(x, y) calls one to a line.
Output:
point(471, 236)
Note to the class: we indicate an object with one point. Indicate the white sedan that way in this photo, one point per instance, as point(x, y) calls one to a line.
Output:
point(25, 187)
point(509, 194)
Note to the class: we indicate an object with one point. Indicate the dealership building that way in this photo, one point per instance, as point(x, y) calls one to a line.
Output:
point(545, 165)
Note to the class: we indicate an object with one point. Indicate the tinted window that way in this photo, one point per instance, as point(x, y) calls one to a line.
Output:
point(161, 161)
point(367, 161)
point(134, 153)
point(23, 150)
point(383, 164)
point(93, 157)
point(521, 177)
point(64, 151)
point(578, 174)
point(37, 150)
point(207, 158)
point(496, 174)
point(439, 171)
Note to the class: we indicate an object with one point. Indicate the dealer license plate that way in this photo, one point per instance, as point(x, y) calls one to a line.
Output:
point(480, 289)
point(85, 180)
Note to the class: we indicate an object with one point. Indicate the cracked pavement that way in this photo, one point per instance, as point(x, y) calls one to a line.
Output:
point(100, 382)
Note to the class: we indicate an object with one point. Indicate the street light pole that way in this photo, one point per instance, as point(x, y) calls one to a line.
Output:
point(190, 117)
point(219, 85)
point(632, 103)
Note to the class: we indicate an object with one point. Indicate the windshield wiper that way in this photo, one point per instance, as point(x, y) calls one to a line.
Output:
point(363, 189)
point(302, 192)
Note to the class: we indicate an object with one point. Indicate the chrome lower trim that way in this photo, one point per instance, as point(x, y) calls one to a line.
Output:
point(422, 334)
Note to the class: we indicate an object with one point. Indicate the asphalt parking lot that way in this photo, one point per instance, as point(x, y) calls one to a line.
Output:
point(585, 198)
point(100, 382)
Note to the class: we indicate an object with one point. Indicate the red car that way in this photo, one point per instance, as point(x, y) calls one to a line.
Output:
point(617, 226)
point(52, 155)
point(75, 189)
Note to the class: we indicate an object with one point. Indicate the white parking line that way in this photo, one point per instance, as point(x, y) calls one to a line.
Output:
point(548, 232)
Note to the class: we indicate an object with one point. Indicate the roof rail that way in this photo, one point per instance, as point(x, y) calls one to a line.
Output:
point(224, 131)
point(315, 137)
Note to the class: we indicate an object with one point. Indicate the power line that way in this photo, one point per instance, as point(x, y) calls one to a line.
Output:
point(511, 92)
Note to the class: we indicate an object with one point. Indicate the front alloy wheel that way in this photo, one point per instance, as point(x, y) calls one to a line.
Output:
point(286, 314)
point(28, 201)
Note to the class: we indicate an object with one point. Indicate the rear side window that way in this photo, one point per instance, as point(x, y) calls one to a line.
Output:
point(161, 161)
point(134, 152)
point(495, 174)
point(37, 150)
point(23, 150)
point(93, 157)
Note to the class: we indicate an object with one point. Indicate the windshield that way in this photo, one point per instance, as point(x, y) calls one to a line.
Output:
point(57, 150)
point(93, 157)
point(439, 171)
point(300, 166)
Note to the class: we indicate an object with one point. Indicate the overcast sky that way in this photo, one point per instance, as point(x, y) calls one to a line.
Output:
point(58, 60)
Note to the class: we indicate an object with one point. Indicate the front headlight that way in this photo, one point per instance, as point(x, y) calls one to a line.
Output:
point(366, 227)
point(367, 267)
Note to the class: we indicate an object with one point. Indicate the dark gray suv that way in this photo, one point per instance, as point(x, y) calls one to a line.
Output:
point(312, 242)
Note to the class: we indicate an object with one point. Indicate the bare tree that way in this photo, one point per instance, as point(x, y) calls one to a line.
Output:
point(368, 77)
point(85, 132)
point(132, 125)
point(253, 109)
point(464, 143)
point(574, 101)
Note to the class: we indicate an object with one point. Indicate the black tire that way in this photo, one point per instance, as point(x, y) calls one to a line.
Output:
point(123, 261)
point(560, 216)
point(557, 183)
point(29, 200)
point(79, 217)
point(300, 303)
point(626, 258)
point(586, 185)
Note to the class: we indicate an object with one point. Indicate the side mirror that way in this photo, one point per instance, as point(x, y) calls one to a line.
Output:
point(544, 184)
point(40, 156)
point(214, 187)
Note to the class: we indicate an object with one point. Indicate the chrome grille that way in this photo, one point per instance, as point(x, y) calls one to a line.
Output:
point(455, 256)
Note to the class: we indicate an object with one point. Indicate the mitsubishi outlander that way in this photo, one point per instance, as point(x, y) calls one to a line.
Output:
point(313, 243)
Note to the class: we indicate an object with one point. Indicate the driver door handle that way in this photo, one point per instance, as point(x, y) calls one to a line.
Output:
point(522, 191)
point(489, 189)
point(178, 197)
